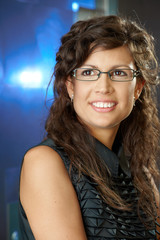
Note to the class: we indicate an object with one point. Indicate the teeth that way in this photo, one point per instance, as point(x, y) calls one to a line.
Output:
point(98, 104)
point(103, 105)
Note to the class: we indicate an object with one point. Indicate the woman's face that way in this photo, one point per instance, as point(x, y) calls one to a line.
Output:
point(103, 104)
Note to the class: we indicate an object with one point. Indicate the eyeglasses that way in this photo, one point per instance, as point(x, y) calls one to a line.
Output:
point(117, 75)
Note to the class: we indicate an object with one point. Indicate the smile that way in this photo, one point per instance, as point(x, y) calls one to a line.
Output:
point(104, 104)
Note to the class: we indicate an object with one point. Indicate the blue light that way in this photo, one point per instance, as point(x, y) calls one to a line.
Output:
point(75, 7)
point(30, 79)
point(27, 78)
point(15, 235)
point(1, 70)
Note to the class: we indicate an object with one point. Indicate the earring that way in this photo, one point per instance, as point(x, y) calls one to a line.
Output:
point(72, 97)
point(134, 101)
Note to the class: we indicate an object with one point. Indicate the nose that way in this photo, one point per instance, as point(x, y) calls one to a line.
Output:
point(104, 84)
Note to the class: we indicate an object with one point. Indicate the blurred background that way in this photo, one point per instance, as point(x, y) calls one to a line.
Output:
point(30, 32)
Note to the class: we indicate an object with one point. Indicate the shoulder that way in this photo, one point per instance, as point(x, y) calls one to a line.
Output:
point(42, 154)
point(41, 161)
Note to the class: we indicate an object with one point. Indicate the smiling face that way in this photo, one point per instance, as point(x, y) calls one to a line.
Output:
point(104, 103)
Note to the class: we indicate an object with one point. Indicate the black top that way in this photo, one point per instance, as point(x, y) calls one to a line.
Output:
point(102, 222)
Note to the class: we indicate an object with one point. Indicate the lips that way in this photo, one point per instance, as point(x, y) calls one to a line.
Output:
point(103, 104)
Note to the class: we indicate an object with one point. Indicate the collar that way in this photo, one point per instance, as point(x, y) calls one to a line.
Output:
point(114, 160)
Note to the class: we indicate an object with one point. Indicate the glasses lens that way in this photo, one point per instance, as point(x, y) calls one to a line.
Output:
point(121, 74)
point(86, 74)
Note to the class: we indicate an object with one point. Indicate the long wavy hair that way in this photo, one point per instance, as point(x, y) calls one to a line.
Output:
point(139, 131)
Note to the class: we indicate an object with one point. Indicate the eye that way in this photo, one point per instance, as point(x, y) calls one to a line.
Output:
point(119, 73)
point(88, 72)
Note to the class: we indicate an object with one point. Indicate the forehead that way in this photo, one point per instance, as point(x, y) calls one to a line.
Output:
point(115, 56)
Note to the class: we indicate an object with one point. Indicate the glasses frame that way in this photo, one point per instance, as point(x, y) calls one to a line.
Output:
point(135, 74)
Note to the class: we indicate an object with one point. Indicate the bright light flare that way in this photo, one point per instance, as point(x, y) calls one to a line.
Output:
point(75, 7)
point(30, 79)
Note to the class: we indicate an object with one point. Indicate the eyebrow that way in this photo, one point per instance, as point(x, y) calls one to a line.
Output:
point(89, 65)
point(113, 67)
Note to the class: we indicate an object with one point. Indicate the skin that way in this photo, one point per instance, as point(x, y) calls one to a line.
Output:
point(46, 191)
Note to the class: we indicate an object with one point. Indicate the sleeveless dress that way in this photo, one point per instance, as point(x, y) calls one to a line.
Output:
point(101, 221)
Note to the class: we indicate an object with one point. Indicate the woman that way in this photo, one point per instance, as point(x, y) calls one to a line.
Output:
point(95, 176)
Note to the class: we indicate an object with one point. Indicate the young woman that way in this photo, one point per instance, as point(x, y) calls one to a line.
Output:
point(95, 176)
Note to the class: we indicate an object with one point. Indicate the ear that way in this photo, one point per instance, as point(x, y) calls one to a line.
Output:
point(138, 88)
point(69, 86)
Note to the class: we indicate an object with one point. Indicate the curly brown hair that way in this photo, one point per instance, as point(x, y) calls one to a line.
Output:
point(139, 131)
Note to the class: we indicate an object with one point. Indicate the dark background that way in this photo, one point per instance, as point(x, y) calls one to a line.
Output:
point(30, 32)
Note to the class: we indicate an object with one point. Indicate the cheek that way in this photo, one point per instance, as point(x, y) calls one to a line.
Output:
point(131, 91)
point(127, 95)
point(81, 92)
